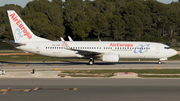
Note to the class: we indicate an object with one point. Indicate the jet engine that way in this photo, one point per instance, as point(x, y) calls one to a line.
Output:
point(110, 58)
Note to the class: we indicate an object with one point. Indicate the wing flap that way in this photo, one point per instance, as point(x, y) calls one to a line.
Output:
point(86, 52)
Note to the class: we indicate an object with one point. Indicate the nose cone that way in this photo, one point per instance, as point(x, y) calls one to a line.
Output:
point(174, 52)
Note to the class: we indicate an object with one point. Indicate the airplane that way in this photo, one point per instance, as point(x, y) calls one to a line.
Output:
point(107, 51)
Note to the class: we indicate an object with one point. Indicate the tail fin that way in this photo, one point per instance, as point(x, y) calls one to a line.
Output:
point(20, 30)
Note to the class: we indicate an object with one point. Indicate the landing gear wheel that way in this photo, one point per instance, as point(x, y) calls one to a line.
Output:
point(91, 61)
point(159, 62)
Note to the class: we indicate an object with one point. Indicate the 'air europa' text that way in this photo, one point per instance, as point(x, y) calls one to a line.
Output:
point(20, 25)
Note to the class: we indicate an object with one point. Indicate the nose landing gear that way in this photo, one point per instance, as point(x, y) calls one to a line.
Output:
point(159, 62)
point(91, 61)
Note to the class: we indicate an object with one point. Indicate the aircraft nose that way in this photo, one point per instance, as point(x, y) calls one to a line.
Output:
point(174, 52)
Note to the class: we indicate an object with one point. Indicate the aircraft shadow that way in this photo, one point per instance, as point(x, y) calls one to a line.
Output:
point(75, 63)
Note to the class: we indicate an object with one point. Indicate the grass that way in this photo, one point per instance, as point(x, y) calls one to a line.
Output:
point(176, 57)
point(139, 71)
point(33, 58)
point(90, 76)
point(11, 51)
point(176, 48)
point(160, 76)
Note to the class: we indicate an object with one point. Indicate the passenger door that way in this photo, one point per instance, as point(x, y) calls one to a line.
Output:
point(157, 49)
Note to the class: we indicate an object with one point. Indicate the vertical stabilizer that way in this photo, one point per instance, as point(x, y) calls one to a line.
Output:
point(20, 30)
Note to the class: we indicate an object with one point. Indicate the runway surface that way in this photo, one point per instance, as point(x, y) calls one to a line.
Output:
point(97, 65)
point(90, 89)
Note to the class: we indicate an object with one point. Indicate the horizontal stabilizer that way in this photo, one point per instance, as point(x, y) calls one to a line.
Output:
point(14, 43)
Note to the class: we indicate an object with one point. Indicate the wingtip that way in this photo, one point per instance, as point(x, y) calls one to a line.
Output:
point(61, 39)
point(64, 43)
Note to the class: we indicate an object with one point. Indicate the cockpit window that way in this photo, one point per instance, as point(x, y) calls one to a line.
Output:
point(166, 47)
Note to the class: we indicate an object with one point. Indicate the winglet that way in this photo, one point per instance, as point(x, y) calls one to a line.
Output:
point(64, 43)
point(70, 39)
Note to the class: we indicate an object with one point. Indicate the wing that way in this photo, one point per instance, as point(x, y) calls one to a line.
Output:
point(85, 53)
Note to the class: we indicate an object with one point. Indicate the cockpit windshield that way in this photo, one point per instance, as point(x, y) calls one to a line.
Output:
point(166, 47)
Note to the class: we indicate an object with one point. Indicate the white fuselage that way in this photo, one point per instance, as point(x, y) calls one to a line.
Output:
point(139, 50)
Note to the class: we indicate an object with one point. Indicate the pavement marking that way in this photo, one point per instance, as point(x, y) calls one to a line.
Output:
point(66, 89)
point(126, 73)
point(157, 67)
point(75, 89)
point(47, 88)
point(36, 88)
point(14, 90)
point(27, 90)
point(6, 91)
point(5, 64)
point(3, 90)
point(28, 65)
point(56, 68)
point(19, 90)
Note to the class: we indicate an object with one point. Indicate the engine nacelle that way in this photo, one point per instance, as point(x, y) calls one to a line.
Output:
point(110, 58)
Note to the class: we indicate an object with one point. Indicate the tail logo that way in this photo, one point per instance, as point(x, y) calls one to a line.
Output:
point(18, 34)
point(21, 31)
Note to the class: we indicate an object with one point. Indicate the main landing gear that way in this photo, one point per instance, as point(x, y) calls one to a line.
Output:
point(91, 61)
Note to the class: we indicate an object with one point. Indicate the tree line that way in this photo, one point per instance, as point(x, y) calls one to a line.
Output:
point(108, 20)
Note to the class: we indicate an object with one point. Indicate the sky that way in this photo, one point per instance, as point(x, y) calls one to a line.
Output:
point(23, 3)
